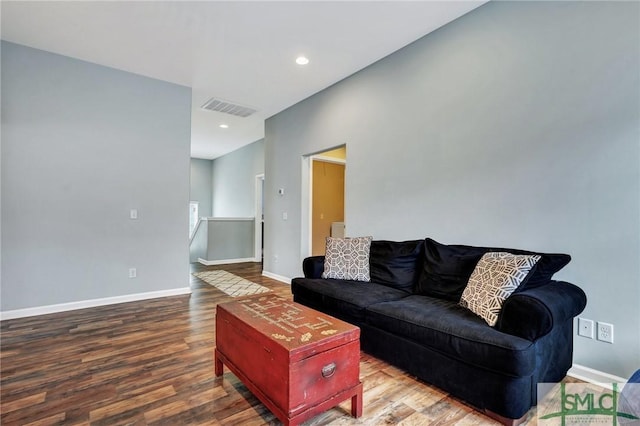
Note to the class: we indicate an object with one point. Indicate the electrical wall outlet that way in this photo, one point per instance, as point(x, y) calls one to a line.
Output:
point(585, 328)
point(133, 272)
point(605, 332)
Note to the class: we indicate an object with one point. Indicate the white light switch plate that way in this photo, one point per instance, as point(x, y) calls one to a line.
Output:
point(585, 328)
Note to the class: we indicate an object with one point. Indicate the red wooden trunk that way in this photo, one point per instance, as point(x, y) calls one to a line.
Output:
point(297, 361)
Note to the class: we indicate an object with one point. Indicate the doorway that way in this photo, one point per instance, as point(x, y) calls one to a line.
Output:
point(324, 203)
point(327, 203)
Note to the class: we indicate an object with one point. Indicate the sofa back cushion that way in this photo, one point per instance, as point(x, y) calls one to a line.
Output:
point(396, 263)
point(446, 268)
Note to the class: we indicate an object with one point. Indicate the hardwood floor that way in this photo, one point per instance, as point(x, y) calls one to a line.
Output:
point(151, 363)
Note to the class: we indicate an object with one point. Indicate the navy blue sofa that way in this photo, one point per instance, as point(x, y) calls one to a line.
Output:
point(409, 316)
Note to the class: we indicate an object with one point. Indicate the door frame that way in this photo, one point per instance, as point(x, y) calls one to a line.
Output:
point(258, 218)
point(306, 216)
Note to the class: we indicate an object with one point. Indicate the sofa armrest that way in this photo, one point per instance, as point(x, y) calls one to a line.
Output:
point(533, 313)
point(313, 266)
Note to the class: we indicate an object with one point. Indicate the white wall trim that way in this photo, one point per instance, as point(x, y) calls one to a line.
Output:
point(305, 206)
point(82, 304)
point(277, 277)
point(329, 159)
point(227, 219)
point(594, 376)
point(225, 261)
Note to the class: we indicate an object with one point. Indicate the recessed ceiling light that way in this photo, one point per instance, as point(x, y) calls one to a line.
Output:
point(224, 126)
point(302, 60)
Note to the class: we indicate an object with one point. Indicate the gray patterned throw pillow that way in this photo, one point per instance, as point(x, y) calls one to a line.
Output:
point(347, 258)
point(496, 276)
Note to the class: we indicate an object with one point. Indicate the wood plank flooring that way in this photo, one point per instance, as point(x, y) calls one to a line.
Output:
point(151, 363)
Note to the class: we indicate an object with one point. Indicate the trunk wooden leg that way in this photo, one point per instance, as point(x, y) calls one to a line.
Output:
point(219, 367)
point(356, 402)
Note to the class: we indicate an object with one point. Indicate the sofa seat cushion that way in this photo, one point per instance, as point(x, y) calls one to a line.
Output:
point(349, 298)
point(452, 330)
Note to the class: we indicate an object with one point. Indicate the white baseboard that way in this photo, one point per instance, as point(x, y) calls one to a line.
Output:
point(82, 304)
point(276, 277)
point(590, 375)
point(225, 261)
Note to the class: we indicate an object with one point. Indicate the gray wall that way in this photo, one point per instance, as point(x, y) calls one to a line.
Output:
point(230, 239)
point(83, 144)
point(515, 125)
point(201, 185)
point(234, 181)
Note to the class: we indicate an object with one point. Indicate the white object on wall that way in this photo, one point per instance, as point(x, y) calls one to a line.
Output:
point(337, 229)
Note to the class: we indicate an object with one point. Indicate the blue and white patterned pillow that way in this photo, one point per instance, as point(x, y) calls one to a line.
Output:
point(347, 258)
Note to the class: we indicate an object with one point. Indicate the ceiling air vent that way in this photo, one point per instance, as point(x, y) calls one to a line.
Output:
point(220, 105)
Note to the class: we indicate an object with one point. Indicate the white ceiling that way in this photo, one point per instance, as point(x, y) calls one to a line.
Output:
point(240, 51)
